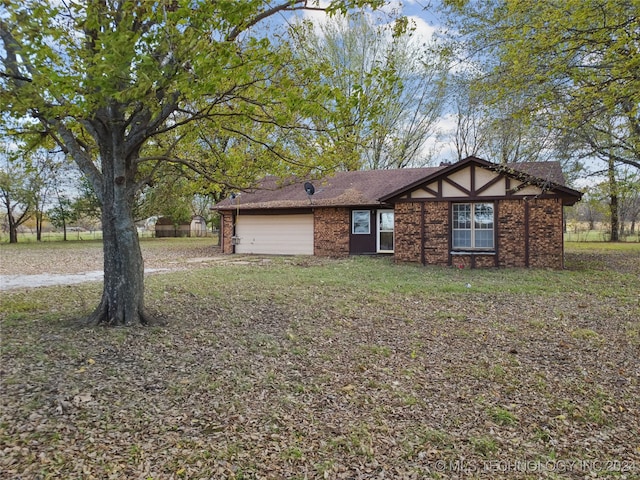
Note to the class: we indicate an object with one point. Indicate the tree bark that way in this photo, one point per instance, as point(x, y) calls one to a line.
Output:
point(39, 226)
point(122, 300)
point(13, 232)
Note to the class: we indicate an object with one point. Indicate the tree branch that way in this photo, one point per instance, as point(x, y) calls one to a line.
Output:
point(12, 76)
point(284, 7)
point(139, 135)
point(11, 47)
point(84, 161)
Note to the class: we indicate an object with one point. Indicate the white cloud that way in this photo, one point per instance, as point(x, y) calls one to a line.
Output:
point(423, 32)
point(438, 147)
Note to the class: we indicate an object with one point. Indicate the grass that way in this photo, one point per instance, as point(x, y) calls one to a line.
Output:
point(590, 236)
point(601, 246)
point(317, 368)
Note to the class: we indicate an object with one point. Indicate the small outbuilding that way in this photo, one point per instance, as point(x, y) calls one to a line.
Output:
point(472, 213)
point(198, 226)
point(166, 227)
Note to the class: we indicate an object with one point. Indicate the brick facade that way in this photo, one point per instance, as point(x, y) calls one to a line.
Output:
point(436, 233)
point(511, 233)
point(408, 228)
point(546, 234)
point(528, 234)
point(226, 230)
point(331, 230)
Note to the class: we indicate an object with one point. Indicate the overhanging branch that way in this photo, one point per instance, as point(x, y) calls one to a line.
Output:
point(284, 7)
point(13, 76)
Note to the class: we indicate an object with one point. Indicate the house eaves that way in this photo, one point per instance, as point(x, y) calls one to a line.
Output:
point(545, 175)
point(361, 188)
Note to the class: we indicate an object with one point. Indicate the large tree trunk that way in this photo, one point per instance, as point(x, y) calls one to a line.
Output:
point(123, 292)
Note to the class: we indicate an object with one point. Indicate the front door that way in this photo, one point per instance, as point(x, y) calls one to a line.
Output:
point(385, 231)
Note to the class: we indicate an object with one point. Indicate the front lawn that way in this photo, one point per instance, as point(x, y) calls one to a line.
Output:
point(314, 368)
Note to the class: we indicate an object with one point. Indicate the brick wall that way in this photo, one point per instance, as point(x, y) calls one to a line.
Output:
point(407, 232)
point(511, 239)
point(436, 233)
point(542, 238)
point(543, 243)
point(331, 230)
point(545, 234)
point(226, 230)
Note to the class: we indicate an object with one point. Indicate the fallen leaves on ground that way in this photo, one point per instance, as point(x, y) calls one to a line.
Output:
point(273, 377)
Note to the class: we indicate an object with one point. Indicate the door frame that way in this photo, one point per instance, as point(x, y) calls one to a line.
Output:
point(378, 229)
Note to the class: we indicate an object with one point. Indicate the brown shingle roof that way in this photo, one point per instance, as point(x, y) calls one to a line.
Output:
point(551, 171)
point(357, 188)
point(373, 187)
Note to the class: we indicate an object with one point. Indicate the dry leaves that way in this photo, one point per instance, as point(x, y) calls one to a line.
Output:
point(276, 372)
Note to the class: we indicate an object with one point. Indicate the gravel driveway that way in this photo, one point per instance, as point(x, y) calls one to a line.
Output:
point(55, 264)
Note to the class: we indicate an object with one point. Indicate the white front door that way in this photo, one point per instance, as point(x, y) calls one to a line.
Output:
point(385, 231)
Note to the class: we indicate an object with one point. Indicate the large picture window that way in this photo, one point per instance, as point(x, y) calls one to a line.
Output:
point(473, 226)
point(361, 222)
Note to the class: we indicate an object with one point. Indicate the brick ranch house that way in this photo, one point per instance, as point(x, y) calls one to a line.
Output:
point(473, 213)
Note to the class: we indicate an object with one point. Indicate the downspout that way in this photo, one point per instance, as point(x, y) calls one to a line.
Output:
point(563, 231)
point(423, 259)
point(496, 234)
point(234, 218)
point(233, 232)
point(526, 233)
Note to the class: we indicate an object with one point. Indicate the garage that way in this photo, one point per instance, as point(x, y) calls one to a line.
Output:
point(275, 234)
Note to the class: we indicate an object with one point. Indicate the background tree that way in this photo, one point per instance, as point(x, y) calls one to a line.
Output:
point(573, 65)
point(494, 128)
point(591, 209)
point(45, 173)
point(62, 214)
point(469, 113)
point(629, 201)
point(169, 197)
point(391, 86)
point(85, 205)
point(15, 196)
point(118, 84)
point(574, 61)
point(619, 195)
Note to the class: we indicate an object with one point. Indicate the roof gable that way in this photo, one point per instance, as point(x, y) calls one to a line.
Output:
point(476, 178)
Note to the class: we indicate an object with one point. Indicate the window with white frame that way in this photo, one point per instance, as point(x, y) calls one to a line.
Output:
point(385, 231)
point(361, 222)
point(473, 226)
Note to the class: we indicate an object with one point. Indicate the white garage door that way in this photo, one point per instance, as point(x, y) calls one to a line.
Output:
point(275, 234)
